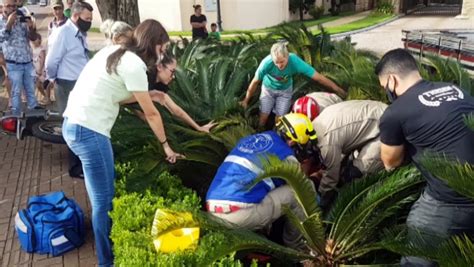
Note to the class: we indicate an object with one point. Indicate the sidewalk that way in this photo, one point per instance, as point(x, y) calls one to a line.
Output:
point(31, 167)
point(343, 20)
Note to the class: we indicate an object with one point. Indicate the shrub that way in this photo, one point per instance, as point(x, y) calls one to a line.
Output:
point(133, 215)
point(316, 12)
point(385, 7)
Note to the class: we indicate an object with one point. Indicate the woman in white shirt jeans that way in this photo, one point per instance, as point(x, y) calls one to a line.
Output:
point(114, 76)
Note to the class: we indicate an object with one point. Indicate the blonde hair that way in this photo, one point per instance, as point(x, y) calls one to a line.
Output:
point(112, 29)
point(279, 49)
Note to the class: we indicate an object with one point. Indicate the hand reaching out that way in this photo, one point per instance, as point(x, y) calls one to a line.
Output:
point(206, 128)
point(172, 156)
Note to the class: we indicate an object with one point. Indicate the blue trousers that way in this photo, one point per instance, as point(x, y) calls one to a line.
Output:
point(437, 220)
point(22, 76)
point(95, 152)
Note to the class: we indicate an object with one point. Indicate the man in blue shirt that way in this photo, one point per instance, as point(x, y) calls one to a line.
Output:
point(15, 32)
point(67, 56)
point(229, 196)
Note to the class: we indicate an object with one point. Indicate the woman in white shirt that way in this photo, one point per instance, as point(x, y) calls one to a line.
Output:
point(114, 76)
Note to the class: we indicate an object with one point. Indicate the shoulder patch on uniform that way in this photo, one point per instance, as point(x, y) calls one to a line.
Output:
point(257, 143)
point(435, 97)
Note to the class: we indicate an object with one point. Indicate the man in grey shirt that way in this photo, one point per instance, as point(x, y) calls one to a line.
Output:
point(68, 55)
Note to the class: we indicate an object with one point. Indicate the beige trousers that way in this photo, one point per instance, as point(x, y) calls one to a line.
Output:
point(261, 215)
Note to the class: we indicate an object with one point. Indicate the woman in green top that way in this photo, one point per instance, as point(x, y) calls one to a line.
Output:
point(276, 71)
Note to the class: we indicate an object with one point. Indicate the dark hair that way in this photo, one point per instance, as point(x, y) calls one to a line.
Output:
point(35, 36)
point(167, 59)
point(146, 36)
point(397, 61)
point(213, 25)
point(196, 7)
point(79, 6)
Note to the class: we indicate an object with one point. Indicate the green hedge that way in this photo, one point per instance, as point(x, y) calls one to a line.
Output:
point(133, 215)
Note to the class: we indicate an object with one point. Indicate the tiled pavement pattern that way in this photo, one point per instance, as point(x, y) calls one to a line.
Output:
point(31, 167)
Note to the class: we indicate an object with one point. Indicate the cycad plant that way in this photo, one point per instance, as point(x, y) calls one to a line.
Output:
point(355, 223)
point(312, 48)
point(447, 70)
point(212, 89)
point(204, 152)
point(354, 70)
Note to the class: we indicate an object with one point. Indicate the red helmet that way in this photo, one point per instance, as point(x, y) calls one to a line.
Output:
point(307, 106)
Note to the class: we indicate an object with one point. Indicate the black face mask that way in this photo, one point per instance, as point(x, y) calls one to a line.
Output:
point(392, 96)
point(83, 25)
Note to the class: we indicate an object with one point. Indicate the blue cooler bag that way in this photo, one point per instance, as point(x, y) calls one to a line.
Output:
point(51, 224)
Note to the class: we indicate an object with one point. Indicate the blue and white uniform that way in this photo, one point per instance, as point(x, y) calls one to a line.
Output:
point(243, 164)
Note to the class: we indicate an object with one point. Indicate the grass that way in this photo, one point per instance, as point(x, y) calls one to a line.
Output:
point(368, 21)
point(94, 29)
point(371, 20)
point(307, 23)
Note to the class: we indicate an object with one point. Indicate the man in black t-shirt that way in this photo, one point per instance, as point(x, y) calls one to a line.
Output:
point(426, 117)
point(198, 23)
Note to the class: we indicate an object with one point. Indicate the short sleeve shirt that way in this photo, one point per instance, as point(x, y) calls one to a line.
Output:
point(276, 79)
point(199, 32)
point(94, 102)
point(429, 117)
point(324, 99)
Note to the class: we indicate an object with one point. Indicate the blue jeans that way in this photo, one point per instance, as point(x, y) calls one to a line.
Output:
point(95, 152)
point(22, 76)
point(436, 221)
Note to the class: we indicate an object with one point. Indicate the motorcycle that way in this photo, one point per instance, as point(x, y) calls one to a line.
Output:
point(41, 123)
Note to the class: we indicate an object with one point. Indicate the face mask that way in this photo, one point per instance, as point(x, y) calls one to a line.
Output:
point(83, 25)
point(391, 95)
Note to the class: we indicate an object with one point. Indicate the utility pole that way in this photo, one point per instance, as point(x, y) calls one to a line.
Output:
point(219, 19)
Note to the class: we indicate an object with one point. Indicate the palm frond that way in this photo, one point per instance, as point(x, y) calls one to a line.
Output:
point(313, 225)
point(291, 172)
point(353, 225)
point(469, 120)
point(458, 176)
point(244, 240)
point(168, 220)
point(458, 251)
point(297, 223)
point(453, 252)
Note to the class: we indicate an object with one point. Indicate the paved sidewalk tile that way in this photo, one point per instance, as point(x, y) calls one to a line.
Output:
point(31, 167)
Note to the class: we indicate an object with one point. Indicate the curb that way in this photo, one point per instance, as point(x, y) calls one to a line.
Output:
point(345, 34)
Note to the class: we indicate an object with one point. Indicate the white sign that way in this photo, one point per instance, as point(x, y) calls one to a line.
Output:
point(210, 5)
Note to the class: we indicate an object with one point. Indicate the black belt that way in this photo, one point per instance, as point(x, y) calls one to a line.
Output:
point(20, 63)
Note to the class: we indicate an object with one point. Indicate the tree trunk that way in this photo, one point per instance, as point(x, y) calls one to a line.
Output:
point(124, 10)
point(301, 11)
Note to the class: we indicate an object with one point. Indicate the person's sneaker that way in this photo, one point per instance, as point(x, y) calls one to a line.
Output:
point(79, 176)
